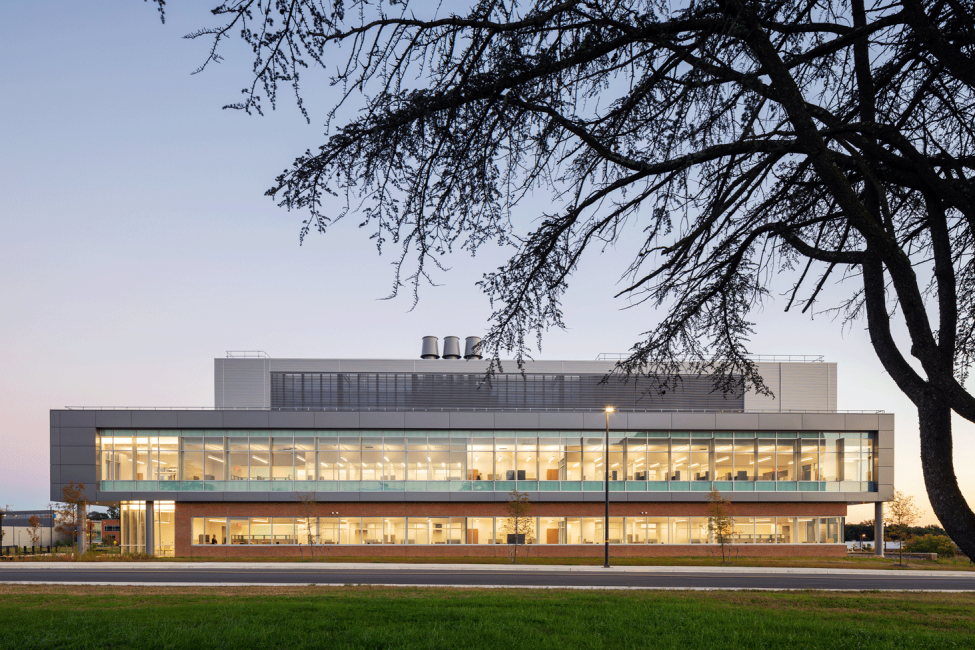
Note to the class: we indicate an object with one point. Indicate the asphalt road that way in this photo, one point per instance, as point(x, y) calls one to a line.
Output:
point(549, 578)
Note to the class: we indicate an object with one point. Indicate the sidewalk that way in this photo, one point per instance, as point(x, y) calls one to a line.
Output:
point(367, 566)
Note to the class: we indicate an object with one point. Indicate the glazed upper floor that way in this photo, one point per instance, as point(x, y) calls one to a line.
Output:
point(463, 461)
point(76, 455)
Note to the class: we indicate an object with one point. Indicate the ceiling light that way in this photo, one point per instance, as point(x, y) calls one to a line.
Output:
point(260, 459)
point(219, 460)
point(721, 460)
point(300, 458)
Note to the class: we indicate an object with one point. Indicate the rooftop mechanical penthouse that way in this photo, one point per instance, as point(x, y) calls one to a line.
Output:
point(417, 458)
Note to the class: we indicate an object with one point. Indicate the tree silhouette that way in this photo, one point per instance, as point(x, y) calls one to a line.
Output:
point(823, 142)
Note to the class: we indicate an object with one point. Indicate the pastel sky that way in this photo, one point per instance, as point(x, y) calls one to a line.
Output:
point(136, 245)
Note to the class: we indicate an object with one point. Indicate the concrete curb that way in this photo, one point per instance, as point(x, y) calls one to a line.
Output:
point(371, 566)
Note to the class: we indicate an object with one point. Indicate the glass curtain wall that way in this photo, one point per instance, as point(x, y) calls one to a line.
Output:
point(133, 527)
point(460, 461)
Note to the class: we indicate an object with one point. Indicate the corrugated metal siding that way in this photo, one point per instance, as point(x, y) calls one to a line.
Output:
point(803, 387)
point(306, 365)
point(796, 387)
point(756, 402)
point(436, 366)
point(242, 383)
point(831, 386)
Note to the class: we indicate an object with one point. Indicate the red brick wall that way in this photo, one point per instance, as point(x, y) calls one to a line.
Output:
point(109, 536)
point(186, 511)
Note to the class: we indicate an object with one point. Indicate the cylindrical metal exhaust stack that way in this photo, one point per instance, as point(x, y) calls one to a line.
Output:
point(472, 347)
point(431, 349)
point(451, 347)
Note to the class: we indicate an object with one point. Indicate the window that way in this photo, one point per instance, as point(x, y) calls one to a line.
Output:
point(192, 461)
point(545, 530)
point(657, 461)
point(409, 460)
point(724, 466)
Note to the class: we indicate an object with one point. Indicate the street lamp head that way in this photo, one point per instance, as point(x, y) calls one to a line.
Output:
point(610, 409)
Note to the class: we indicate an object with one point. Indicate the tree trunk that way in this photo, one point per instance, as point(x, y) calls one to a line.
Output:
point(947, 501)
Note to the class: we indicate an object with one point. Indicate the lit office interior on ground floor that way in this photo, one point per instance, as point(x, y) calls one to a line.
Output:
point(506, 530)
point(391, 531)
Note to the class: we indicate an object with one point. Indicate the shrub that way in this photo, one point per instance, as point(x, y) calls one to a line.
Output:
point(939, 544)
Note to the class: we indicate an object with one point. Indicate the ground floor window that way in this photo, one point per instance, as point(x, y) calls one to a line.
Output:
point(291, 531)
point(133, 527)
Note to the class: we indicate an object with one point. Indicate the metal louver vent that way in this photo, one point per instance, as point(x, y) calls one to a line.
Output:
point(419, 391)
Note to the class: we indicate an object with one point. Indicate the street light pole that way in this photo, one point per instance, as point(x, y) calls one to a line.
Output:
point(609, 409)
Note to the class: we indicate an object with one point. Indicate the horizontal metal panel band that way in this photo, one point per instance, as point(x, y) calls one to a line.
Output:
point(378, 390)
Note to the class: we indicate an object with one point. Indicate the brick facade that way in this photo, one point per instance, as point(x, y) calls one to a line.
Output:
point(111, 536)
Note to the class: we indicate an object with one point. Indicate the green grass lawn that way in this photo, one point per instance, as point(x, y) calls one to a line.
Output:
point(384, 618)
point(959, 563)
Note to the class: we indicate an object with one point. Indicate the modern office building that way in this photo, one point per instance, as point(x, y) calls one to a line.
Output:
point(365, 457)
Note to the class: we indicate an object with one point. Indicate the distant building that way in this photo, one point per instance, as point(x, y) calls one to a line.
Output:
point(418, 457)
point(17, 528)
point(111, 532)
